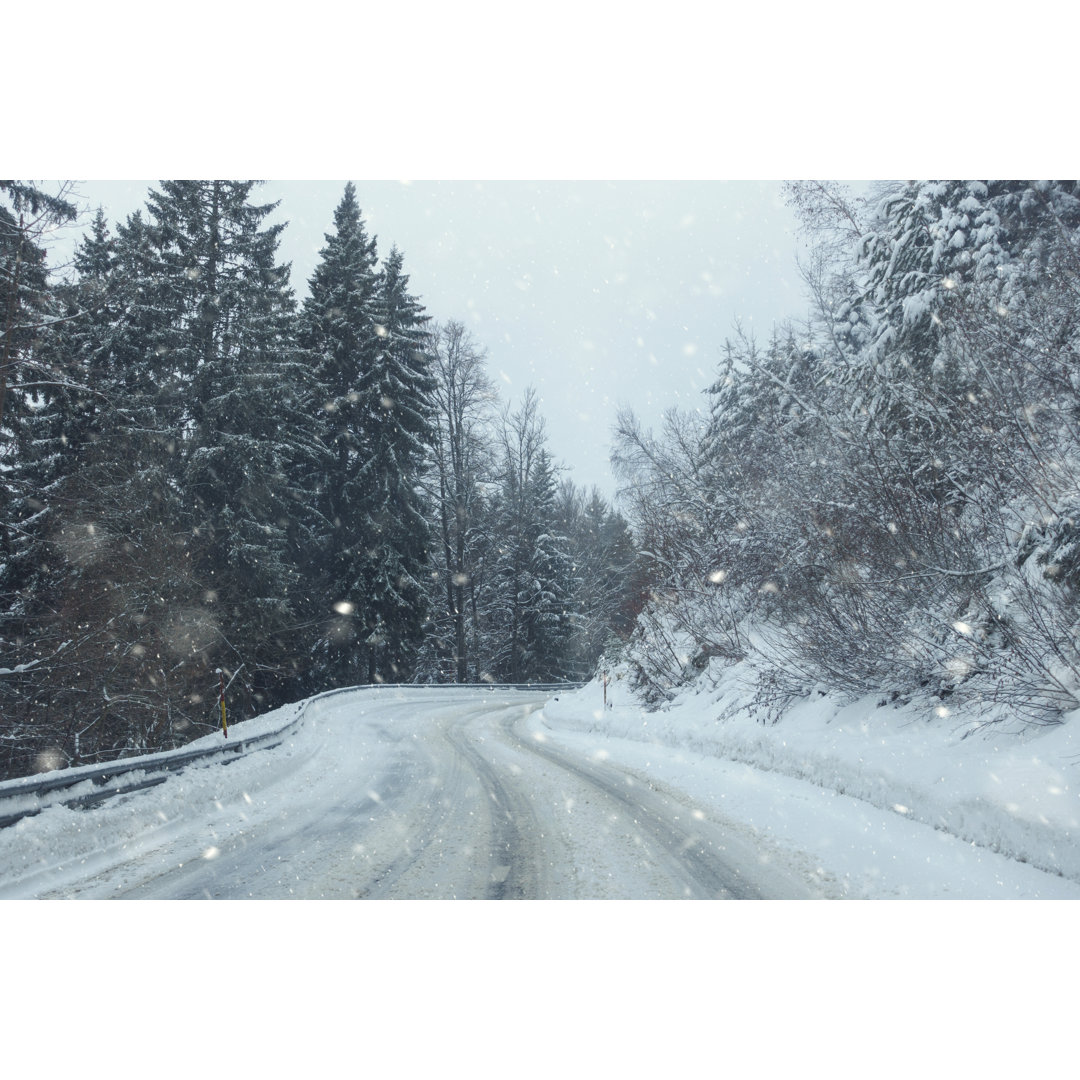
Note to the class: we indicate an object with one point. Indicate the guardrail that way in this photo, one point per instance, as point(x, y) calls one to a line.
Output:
point(26, 796)
point(492, 686)
point(23, 795)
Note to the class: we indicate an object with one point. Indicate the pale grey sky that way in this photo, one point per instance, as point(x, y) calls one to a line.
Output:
point(598, 294)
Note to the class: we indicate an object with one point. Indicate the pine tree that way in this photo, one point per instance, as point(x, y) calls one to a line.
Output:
point(551, 584)
point(364, 333)
point(129, 581)
point(84, 338)
point(396, 393)
point(25, 298)
point(227, 341)
point(68, 480)
point(531, 623)
point(32, 393)
point(604, 585)
point(338, 333)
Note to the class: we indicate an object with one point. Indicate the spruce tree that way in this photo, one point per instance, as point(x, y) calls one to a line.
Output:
point(338, 334)
point(603, 585)
point(229, 349)
point(551, 584)
point(364, 334)
point(397, 396)
point(58, 617)
point(32, 393)
point(529, 627)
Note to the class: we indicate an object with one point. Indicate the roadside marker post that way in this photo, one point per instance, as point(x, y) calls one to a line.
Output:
point(224, 722)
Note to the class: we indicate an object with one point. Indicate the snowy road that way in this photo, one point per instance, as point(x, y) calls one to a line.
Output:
point(411, 794)
point(425, 793)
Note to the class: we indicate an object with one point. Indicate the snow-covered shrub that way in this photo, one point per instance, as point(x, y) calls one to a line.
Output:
point(886, 499)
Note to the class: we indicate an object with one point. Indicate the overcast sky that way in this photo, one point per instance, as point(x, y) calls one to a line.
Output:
point(598, 294)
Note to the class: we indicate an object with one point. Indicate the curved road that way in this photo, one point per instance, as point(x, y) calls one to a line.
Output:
point(413, 794)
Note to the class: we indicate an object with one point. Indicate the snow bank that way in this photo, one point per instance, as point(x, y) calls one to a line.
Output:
point(1011, 789)
point(62, 845)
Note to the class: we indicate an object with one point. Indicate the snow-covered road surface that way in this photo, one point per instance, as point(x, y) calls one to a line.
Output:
point(426, 793)
point(395, 793)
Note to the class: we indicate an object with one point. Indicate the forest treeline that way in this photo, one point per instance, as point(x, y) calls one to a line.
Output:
point(198, 473)
point(883, 498)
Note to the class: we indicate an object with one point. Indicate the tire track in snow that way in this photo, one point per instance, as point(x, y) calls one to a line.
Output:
point(514, 862)
point(694, 853)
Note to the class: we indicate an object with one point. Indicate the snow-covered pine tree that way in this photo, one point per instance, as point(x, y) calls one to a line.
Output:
point(127, 567)
point(529, 628)
point(337, 330)
point(64, 465)
point(227, 338)
point(31, 394)
point(55, 399)
point(396, 395)
point(26, 214)
point(29, 311)
point(551, 583)
point(364, 333)
point(84, 338)
point(603, 570)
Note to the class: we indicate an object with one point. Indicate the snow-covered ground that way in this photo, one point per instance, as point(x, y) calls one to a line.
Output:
point(880, 802)
point(430, 793)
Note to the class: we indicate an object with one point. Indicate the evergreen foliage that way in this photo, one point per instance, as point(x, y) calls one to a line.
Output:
point(337, 331)
point(240, 429)
point(396, 394)
point(365, 334)
point(529, 584)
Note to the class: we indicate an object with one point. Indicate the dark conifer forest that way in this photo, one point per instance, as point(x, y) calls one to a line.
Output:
point(203, 480)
